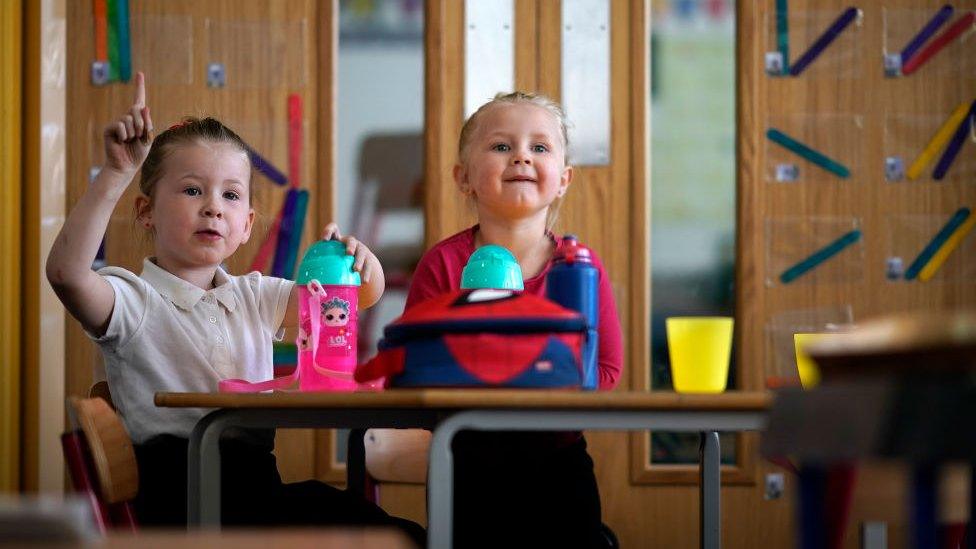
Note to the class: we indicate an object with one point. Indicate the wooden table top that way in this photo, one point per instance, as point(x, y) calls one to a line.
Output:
point(457, 399)
point(292, 538)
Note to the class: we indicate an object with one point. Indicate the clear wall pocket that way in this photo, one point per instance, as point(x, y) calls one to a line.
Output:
point(930, 147)
point(928, 43)
point(816, 44)
point(813, 250)
point(251, 53)
point(813, 147)
point(781, 368)
point(162, 47)
point(931, 248)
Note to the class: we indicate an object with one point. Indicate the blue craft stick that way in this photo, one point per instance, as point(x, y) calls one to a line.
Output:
point(807, 153)
point(783, 33)
point(301, 206)
point(939, 19)
point(955, 144)
point(125, 48)
point(284, 234)
point(262, 165)
point(825, 39)
point(937, 241)
point(821, 255)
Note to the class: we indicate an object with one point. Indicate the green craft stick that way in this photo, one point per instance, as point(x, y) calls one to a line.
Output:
point(807, 153)
point(113, 40)
point(783, 34)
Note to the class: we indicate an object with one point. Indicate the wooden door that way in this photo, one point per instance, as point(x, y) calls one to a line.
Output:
point(269, 50)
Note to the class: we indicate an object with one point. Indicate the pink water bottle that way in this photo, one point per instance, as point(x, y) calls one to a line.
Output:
point(328, 318)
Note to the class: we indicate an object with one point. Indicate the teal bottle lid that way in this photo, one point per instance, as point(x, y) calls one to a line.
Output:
point(327, 262)
point(492, 267)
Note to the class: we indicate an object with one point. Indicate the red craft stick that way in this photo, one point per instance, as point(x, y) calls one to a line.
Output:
point(295, 139)
point(100, 13)
point(935, 46)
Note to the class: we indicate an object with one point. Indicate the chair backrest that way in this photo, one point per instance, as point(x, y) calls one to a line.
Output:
point(111, 449)
point(390, 182)
point(100, 390)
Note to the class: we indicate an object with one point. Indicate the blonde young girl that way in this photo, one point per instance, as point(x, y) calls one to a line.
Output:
point(184, 323)
point(523, 488)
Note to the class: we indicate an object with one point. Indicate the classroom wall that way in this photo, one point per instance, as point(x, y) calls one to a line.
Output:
point(846, 107)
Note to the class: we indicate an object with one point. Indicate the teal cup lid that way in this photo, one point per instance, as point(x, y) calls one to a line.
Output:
point(327, 262)
point(492, 267)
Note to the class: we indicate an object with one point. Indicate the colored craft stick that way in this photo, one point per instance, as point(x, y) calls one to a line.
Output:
point(961, 25)
point(937, 241)
point(832, 32)
point(946, 249)
point(295, 139)
point(783, 33)
point(807, 153)
point(301, 206)
point(262, 165)
point(122, 35)
point(820, 256)
point(267, 247)
point(113, 39)
point(99, 13)
point(284, 233)
point(939, 19)
point(938, 140)
point(955, 144)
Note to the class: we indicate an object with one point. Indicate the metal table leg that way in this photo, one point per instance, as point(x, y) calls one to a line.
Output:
point(710, 471)
point(440, 478)
point(203, 454)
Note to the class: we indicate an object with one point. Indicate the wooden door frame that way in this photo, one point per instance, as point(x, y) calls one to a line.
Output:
point(11, 25)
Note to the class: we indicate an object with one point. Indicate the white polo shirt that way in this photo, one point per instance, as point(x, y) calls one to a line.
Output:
point(166, 334)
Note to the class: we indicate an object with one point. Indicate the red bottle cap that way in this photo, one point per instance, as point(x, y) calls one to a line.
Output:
point(571, 251)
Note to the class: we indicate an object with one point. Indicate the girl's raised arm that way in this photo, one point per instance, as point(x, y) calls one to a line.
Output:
point(86, 295)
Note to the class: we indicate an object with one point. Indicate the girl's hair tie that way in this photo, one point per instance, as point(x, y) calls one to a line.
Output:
point(178, 125)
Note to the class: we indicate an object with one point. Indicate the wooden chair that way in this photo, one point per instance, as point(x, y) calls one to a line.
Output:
point(102, 461)
point(385, 456)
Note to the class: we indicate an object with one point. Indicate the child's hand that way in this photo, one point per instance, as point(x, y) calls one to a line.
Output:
point(127, 140)
point(366, 263)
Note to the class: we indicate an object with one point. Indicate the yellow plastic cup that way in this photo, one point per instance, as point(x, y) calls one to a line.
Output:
point(700, 348)
point(805, 366)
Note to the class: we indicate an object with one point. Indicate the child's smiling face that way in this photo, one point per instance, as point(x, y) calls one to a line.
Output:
point(515, 163)
point(201, 209)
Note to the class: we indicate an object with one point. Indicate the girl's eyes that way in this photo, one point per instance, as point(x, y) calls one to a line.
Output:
point(537, 148)
point(194, 191)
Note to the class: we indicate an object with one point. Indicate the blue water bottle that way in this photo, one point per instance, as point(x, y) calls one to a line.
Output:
point(573, 282)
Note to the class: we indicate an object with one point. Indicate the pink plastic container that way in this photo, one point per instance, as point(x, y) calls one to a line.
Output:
point(328, 363)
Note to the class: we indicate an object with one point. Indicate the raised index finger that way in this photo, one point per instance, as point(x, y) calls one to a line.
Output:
point(140, 100)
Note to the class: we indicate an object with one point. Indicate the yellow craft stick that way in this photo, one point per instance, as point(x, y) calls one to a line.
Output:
point(930, 268)
point(938, 141)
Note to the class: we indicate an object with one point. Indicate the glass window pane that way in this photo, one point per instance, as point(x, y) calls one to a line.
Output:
point(692, 184)
point(379, 161)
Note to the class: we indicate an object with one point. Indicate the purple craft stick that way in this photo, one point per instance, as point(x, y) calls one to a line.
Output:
point(952, 149)
point(265, 167)
point(284, 234)
point(939, 19)
point(825, 39)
